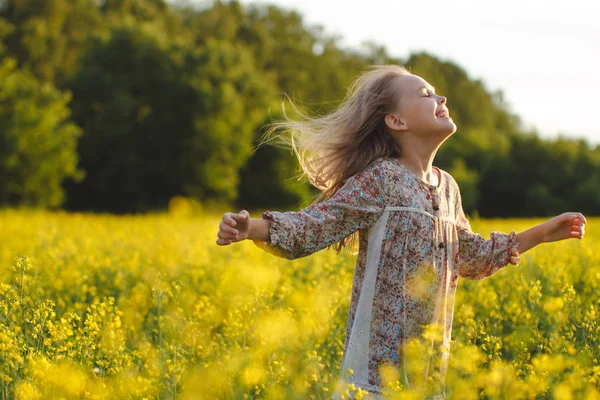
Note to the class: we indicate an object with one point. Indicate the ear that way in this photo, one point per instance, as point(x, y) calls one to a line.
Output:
point(395, 123)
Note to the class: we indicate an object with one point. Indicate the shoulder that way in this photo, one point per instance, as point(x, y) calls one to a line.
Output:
point(451, 186)
point(449, 179)
point(378, 168)
point(373, 178)
point(385, 165)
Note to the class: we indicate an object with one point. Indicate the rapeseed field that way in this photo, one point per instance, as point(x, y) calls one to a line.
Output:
point(149, 307)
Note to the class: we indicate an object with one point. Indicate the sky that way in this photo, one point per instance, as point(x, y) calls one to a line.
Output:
point(543, 55)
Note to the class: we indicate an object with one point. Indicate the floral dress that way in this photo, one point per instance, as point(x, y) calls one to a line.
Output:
point(414, 244)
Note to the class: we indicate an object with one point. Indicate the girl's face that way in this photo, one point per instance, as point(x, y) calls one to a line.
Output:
point(421, 111)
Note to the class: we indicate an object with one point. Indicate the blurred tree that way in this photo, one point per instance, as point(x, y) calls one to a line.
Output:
point(550, 173)
point(467, 180)
point(270, 178)
point(539, 201)
point(135, 12)
point(37, 140)
point(170, 97)
point(161, 120)
point(144, 9)
point(304, 64)
point(48, 36)
point(230, 99)
point(587, 193)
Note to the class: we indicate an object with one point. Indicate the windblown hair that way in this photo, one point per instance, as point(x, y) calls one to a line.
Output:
point(334, 147)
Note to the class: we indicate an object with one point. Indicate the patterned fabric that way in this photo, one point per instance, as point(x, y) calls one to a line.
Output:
point(414, 244)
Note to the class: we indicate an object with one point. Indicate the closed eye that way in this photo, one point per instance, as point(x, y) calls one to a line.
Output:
point(426, 92)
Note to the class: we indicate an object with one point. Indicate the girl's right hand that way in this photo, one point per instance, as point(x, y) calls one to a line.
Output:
point(233, 227)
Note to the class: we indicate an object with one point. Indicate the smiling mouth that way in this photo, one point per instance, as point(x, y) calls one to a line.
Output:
point(443, 113)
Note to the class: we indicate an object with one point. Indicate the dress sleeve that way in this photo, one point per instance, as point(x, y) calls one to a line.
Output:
point(479, 258)
point(357, 204)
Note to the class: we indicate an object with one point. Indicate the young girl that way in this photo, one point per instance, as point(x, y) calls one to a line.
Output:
point(372, 159)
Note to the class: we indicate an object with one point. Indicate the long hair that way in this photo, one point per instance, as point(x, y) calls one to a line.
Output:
point(334, 147)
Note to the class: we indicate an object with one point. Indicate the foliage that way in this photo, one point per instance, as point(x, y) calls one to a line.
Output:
point(271, 178)
point(37, 140)
point(172, 96)
point(162, 119)
point(48, 36)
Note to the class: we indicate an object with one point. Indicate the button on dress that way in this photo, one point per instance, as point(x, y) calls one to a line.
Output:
point(414, 244)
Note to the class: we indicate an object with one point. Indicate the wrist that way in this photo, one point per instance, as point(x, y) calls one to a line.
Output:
point(531, 238)
point(259, 229)
point(543, 232)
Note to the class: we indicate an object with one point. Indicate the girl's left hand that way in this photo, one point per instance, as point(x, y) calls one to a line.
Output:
point(565, 226)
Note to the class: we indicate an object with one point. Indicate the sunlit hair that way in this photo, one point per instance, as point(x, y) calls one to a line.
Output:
point(334, 147)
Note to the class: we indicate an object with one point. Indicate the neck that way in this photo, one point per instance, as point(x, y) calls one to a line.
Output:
point(417, 155)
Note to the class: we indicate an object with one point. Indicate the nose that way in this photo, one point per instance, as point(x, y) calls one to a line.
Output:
point(442, 100)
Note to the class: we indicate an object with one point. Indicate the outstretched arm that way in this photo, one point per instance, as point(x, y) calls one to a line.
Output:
point(479, 258)
point(565, 226)
point(293, 234)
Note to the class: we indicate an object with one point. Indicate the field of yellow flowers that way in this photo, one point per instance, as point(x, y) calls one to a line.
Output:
point(133, 307)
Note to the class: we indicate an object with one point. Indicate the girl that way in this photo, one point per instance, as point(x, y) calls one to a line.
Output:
point(372, 159)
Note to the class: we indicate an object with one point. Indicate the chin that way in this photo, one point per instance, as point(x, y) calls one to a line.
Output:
point(449, 128)
point(453, 130)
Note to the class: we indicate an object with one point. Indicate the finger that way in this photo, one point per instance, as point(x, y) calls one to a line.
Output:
point(226, 228)
point(223, 242)
point(577, 216)
point(576, 235)
point(227, 217)
point(241, 216)
point(577, 228)
point(227, 236)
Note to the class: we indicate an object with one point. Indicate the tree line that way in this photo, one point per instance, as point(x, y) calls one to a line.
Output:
point(119, 105)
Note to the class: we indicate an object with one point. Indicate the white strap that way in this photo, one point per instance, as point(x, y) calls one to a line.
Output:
point(357, 354)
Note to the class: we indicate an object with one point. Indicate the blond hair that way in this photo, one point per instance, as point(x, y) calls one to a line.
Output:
point(334, 147)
